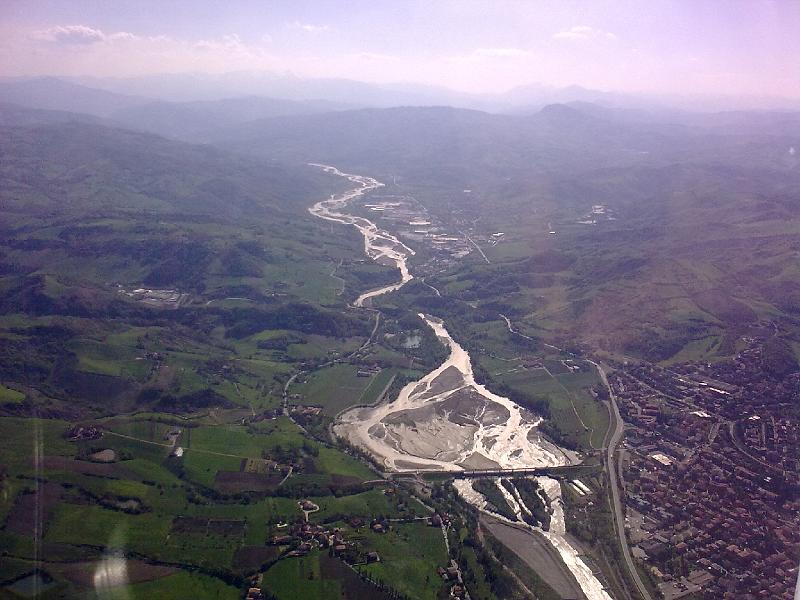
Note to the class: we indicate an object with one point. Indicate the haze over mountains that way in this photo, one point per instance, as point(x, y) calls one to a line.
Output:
point(47, 92)
point(674, 180)
point(669, 174)
point(411, 300)
point(222, 109)
point(162, 277)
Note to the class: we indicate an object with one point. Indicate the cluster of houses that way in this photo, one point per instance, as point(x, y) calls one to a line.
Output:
point(79, 433)
point(305, 410)
point(368, 371)
point(303, 538)
point(156, 298)
point(452, 575)
point(255, 593)
point(712, 477)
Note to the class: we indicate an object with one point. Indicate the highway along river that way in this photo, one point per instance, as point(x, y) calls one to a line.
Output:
point(446, 420)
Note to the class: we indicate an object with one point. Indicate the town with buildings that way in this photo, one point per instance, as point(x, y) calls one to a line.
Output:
point(444, 244)
point(156, 298)
point(712, 475)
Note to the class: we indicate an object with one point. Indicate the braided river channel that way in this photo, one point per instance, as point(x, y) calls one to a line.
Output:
point(446, 421)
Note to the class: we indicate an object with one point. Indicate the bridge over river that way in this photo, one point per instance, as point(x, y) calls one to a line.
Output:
point(561, 471)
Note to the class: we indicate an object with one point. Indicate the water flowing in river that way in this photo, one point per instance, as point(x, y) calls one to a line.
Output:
point(446, 420)
point(379, 245)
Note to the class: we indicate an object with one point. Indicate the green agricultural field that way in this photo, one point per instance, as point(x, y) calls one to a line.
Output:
point(10, 395)
point(93, 525)
point(243, 441)
point(335, 462)
point(376, 386)
point(320, 347)
point(577, 415)
point(280, 432)
point(227, 439)
point(173, 587)
point(507, 249)
point(409, 554)
point(300, 577)
point(209, 449)
point(17, 436)
point(114, 357)
point(125, 488)
point(578, 380)
point(367, 504)
point(142, 427)
point(388, 357)
point(203, 549)
point(151, 471)
point(334, 388)
point(202, 467)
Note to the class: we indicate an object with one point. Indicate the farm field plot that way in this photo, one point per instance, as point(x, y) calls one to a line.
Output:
point(335, 462)
point(105, 359)
point(143, 428)
point(76, 524)
point(10, 395)
point(203, 468)
point(173, 587)
point(366, 504)
point(210, 450)
point(325, 578)
point(376, 386)
point(410, 553)
point(205, 542)
point(318, 346)
point(387, 356)
point(301, 578)
point(333, 388)
point(576, 414)
point(16, 435)
point(227, 439)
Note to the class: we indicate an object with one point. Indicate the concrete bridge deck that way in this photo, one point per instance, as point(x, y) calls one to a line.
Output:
point(563, 471)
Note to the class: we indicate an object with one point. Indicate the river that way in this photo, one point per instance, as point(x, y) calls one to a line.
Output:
point(446, 420)
point(380, 245)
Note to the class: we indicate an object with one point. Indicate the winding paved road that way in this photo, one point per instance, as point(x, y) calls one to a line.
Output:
point(613, 437)
point(609, 458)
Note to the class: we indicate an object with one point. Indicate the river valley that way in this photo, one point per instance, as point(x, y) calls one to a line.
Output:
point(446, 421)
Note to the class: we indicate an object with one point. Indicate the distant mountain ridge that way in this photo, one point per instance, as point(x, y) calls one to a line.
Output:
point(311, 130)
point(52, 93)
point(190, 120)
point(187, 106)
point(525, 98)
point(15, 115)
point(79, 167)
point(556, 137)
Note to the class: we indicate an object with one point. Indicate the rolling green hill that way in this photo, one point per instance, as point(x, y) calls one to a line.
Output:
point(134, 268)
point(704, 210)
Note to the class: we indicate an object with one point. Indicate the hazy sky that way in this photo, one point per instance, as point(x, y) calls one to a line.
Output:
point(718, 46)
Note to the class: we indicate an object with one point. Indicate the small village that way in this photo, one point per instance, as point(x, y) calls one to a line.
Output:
point(345, 541)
